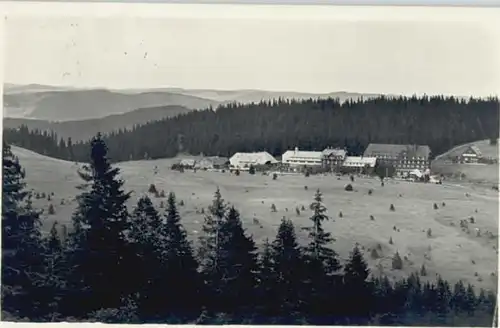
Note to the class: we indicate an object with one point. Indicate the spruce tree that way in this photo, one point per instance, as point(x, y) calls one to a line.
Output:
point(470, 300)
point(289, 270)
point(181, 276)
point(53, 287)
point(208, 252)
point(100, 253)
point(147, 242)
point(237, 267)
point(22, 261)
point(359, 291)
point(317, 251)
point(322, 264)
point(266, 282)
point(458, 299)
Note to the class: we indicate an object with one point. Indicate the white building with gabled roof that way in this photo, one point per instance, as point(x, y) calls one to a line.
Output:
point(242, 161)
point(298, 157)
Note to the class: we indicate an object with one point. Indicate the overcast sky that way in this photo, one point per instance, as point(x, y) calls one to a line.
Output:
point(294, 54)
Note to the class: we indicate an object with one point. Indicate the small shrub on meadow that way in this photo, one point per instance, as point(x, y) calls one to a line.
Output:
point(429, 232)
point(397, 263)
point(392, 208)
point(340, 214)
point(181, 203)
point(297, 211)
point(273, 208)
point(436, 206)
point(372, 218)
point(374, 254)
point(370, 191)
point(152, 189)
point(423, 271)
point(348, 187)
point(162, 194)
point(51, 210)
point(391, 242)
point(275, 176)
point(306, 188)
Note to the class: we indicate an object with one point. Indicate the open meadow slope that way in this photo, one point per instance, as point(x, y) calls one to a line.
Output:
point(449, 251)
point(476, 173)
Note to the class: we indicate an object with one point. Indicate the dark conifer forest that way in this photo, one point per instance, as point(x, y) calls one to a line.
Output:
point(279, 125)
point(118, 266)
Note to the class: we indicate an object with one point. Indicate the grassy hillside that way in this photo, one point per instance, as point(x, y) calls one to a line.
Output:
point(475, 173)
point(86, 104)
point(85, 129)
point(449, 251)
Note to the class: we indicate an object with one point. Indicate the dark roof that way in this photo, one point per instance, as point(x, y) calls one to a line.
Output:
point(219, 160)
point(475, 149)
point(397, 150)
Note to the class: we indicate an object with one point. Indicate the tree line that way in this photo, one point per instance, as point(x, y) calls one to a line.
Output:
point(138, 266)
point(279, 125)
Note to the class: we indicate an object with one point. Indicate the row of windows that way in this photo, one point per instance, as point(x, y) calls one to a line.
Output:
point(301, 161)
point(398, 157)
point(409, 166)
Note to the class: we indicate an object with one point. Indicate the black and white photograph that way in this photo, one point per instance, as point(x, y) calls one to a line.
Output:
point(237, 164)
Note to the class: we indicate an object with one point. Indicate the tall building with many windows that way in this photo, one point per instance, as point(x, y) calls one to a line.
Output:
point(404, 158)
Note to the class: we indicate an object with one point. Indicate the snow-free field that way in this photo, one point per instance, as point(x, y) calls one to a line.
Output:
point(450, 251)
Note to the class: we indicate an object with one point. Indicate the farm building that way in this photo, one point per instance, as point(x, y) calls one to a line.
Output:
point(298, 157)
point(404, 158)
point(359, 163)
point(209, 163)
point(471, 154)
point(242, 161)
point(333, 158)
point(187, 163)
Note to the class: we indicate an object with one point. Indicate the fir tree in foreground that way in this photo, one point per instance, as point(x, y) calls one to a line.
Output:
point(317, 250)
point(357, 289)
point(210, 241)
point(99, 250)
point(181, 277)
point(147, 242)
point(22, 260)
point(287, 301)
point(237, 267)
point(322, 263)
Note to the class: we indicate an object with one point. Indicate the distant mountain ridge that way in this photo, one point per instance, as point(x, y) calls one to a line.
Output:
point(81, 130)
point(65, 105)
point(55, 103)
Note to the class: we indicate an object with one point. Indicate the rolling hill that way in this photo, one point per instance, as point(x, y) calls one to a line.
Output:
point(54, 103)
point(475, 173)
point(87, 104)
point(248, 96)
point(85, 129)
point(450, 251)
